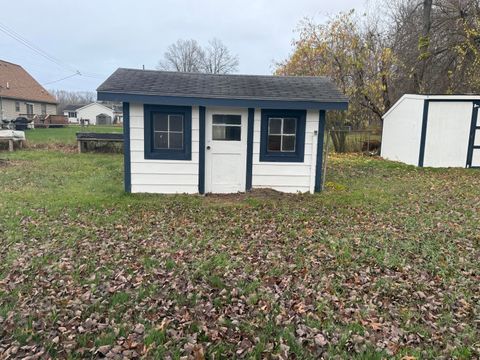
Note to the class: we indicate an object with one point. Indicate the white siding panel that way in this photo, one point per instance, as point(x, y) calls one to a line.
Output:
point(402, 131)
point(283, 176)
point(166, 168)
point(138, 145)
point(139, 156)
point(165, 189)
point(448, 130)
point(477, 135)
point(476, 158)
point(279, 170)
point(165, 179)
point(161, 176)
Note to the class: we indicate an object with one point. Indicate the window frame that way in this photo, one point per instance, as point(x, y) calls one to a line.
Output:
point(43, 109)
point(185, 153)
point(30, 110)
point(283, 156)
point(17, 106)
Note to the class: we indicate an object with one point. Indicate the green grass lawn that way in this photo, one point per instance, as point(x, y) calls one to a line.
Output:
point(65, 135)
point(384, 263)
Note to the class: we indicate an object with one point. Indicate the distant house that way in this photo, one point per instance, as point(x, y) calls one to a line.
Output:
point(96, 114)
point(22, 95)
point(205, 133)
point(70, 112)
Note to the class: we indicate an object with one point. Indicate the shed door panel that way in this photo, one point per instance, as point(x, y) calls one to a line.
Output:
point(448, 133)
point(225, 154)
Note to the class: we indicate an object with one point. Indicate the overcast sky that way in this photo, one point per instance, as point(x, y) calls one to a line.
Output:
point(98, 36)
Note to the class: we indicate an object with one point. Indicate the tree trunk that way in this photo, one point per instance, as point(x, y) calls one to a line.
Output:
point(423, 47)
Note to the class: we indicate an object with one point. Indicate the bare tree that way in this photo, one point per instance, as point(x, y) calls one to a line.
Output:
point(184, 56)
point(218, 60)
point(65, 97)
point(189, 56)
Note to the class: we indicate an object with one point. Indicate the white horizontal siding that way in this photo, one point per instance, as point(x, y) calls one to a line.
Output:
point(161, 176)
point(165, 189)
point(283, 176)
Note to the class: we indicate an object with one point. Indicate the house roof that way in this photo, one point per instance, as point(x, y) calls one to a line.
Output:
point(198, 88)
point(73, 107)
point(433, 97)
point(107, 107)
point(16, 83)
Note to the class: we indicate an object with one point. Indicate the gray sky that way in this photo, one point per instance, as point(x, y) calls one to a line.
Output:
point(98, 36)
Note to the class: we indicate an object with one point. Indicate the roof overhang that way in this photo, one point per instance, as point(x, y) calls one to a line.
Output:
point(203, 101)
point(433, 97)
point(25, 99)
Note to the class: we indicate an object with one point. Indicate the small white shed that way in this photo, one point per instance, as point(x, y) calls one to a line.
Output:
point(433, 131)
point(205, 133)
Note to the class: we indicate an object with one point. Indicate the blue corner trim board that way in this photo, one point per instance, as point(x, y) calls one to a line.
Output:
point(423, 137)
point(199, 101)
point(251, 116)
point(127, 173)
point(201, 151)
point(471, 138)
point(167, 154)
point(320, 139)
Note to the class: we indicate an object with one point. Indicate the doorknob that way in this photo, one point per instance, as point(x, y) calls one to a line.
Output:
point(208, 147)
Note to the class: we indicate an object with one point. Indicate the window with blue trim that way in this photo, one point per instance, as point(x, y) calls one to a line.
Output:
point(168, 132)
point(282, 137)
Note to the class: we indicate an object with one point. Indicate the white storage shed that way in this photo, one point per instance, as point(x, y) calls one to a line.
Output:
point(433, 131)
point(205, 133)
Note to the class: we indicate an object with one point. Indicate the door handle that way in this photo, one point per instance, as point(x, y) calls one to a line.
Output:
point(208, 147)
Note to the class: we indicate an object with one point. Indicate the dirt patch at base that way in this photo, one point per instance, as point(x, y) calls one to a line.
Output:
point(65, 148)
point(260, 194)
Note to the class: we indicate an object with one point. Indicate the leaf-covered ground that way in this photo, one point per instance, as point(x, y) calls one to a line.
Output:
point(385, 263)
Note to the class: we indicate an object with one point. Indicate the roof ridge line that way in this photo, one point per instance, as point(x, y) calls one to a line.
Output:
point(220, 75)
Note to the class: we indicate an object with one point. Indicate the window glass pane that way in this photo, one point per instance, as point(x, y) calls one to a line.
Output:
point(176, 122)
point(274, 142)
point(160, 122)
point(161, 140)
point(227, 119)
point(233, 133)
point(289, 125)
point(274, 126)
point(176, 140)
point(218, 132)
point(226, 133)
point(288, 143)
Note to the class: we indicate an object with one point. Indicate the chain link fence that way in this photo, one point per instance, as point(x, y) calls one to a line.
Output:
point(346, 140)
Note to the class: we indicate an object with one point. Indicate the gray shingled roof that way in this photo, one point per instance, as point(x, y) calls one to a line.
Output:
point(73, 107)
point(247, 87)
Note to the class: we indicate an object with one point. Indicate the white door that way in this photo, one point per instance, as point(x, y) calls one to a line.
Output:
point(226, 149)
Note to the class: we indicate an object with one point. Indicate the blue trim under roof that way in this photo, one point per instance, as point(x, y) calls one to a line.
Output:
point(199, 101)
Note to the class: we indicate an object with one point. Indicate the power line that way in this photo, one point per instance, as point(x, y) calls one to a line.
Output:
point(65, 78)
point(16, 36)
